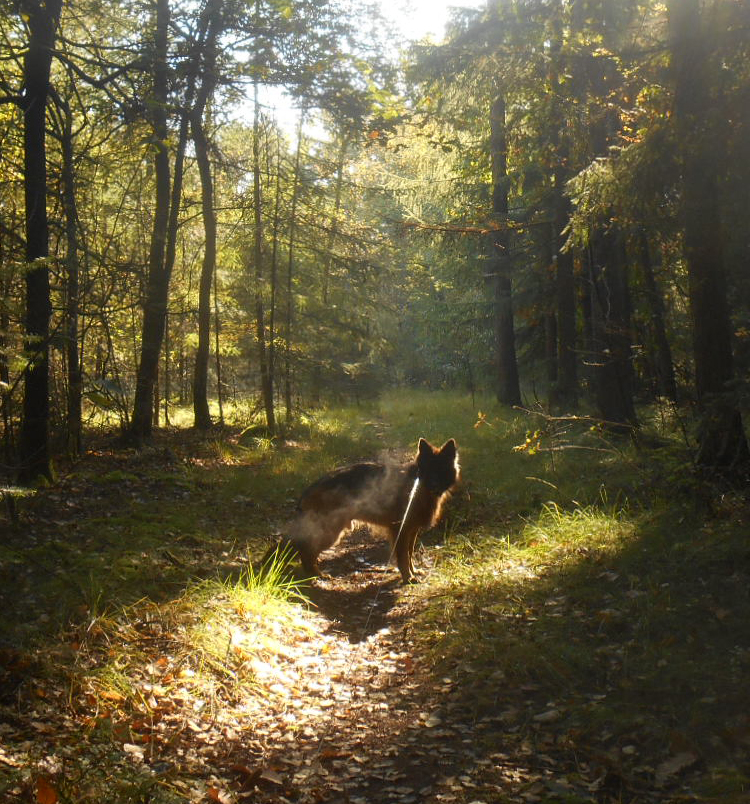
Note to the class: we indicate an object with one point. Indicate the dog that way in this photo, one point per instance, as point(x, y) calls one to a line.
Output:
point(375, 494)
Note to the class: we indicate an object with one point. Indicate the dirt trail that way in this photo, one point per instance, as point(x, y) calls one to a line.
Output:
point(374, 725)
point(353, 712)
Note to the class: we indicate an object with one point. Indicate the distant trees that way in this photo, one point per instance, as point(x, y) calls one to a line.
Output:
point(613, 129)
point(159, 267)
point(700, 134)
point(129, 96)
point(206, 64)
point(508, 388)
point(555, 214)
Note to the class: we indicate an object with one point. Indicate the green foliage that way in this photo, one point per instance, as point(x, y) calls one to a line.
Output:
point(600, 582)
point(592, 593)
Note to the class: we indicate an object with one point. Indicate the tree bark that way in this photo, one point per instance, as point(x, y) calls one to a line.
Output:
point(566, 389)
point(217, 348)
point(34, 444)
point(200, 378)
point(612, 332)
point(157, 290)
point(289, 313)
point(508, 390)
point(722, 439)
point(665, 378)
point(564, 394)
point(548, 308)
point(202, 416)
point(6, 283)
point(260, 323)
point(72, 286)
point(273, 289)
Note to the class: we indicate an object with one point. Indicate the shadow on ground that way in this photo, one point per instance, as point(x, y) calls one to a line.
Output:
point(359, 587)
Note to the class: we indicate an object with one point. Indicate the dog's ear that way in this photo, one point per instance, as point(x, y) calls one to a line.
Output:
point(424, 447)
point(449, 449)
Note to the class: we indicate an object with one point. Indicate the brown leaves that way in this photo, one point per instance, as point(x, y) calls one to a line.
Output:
point(44, 792)
point(674, 765)
point(320, 708)
point(219, 796)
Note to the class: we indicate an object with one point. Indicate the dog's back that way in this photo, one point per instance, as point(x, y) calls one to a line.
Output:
point(368, 492)
point(375, 494)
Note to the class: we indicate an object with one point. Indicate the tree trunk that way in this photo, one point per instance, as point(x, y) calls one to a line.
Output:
point(217, 342)
point(34, 447)
point(260, 324)
point(157, 290)
point(289, 275)
point(204, 63)
point(6, 396)
point(665, 378)
point(564, 396)
point(566, 389)
point(722, 439)
point(200, 378)
point(550, 348)
point(612, 332)
point(508, 390)
point(545, 291)
point(273, 289)
point(208, 269)
point(167, 367)
point(75, 384)
point(156, 399)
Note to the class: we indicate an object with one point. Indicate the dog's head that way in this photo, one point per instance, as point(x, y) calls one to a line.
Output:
point(437, 469)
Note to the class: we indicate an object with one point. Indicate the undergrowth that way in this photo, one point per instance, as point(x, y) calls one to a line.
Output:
point(600, 579)
point(611, 583)
point(129, 676)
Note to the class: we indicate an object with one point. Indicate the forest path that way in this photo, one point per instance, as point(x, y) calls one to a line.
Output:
point(344, 705)
point(372, 724)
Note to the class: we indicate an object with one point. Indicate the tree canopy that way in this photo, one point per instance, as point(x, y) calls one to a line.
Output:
point(548, 203)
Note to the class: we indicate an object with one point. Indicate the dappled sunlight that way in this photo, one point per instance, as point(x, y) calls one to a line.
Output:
point(554, 649)
point(622, 635)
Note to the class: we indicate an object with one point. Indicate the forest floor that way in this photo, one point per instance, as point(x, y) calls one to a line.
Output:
point(569, 656)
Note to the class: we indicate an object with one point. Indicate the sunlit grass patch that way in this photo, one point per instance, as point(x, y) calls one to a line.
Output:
point(492, 588)
point(132, 690)
point(439, 415)
point(560, 533)
point(625, 624)
point(203, 649)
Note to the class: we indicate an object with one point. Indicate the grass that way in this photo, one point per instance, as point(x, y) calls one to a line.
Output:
point(613, 584)
point(136, 670)
point(213, 635)
point(101, 541)
point(576, 573)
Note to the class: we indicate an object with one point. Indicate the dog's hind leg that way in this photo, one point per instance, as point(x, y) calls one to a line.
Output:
point(314, 534)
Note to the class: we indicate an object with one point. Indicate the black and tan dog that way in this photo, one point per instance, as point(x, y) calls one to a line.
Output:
point(375, 494)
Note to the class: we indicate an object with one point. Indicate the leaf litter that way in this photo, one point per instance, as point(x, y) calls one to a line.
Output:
point(335, 703)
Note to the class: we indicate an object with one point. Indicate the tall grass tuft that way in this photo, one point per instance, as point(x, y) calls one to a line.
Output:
point(213, 634)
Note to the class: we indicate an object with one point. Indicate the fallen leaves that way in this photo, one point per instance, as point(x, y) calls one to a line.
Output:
point(675, 764)
point(323, 708)
point(219, 796)
point(45, 793)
